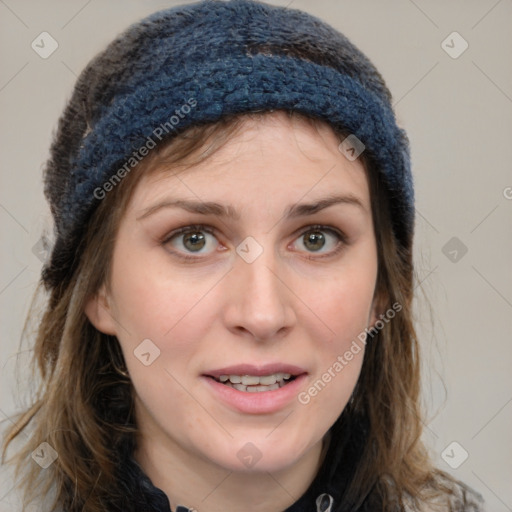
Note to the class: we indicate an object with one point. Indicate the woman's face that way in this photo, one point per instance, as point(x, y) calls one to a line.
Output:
point(270, 278)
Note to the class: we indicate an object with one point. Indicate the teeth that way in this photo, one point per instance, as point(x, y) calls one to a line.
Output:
point(268, 379)
point(250, 380)
point(254, 389)
point(254, 380)
point(255, 383)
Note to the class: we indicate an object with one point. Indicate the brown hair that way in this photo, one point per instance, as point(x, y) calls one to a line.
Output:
point(84, 406)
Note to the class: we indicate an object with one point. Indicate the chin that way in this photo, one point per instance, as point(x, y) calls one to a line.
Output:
point(263, 453)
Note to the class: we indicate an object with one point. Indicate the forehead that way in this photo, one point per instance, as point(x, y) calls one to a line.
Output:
point(269, 159)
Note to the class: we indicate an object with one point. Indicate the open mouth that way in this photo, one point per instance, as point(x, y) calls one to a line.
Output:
point(256, 383)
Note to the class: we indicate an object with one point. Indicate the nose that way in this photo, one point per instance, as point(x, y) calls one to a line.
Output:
point(259, 304)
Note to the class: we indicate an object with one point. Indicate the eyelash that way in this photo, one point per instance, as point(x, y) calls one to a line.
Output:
point(342, 238)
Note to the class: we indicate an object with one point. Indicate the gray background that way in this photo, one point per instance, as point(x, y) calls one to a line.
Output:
point(458, 113)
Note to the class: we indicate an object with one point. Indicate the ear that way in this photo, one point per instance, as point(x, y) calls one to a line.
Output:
point(99, 312)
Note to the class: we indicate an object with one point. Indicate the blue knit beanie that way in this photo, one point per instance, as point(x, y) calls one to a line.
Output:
point(195, 64)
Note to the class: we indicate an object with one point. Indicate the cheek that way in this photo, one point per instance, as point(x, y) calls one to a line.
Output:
point(339, 303)
point(151, 303)
point(163, 309)
point(338, 359)
point(172, 311)
point(342, 307)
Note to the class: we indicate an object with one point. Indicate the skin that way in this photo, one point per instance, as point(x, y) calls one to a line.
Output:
point(220, 310)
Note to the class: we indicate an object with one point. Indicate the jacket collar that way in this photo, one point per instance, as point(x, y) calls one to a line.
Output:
point(153, 499)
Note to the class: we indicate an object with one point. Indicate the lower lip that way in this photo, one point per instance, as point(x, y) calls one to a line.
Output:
point(261, 402)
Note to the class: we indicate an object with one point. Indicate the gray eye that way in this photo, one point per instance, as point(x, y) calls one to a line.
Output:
point(318, 240)
point(314, 240)
point(194, 241)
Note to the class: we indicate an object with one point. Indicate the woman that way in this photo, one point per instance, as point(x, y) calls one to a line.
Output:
point(229, 321)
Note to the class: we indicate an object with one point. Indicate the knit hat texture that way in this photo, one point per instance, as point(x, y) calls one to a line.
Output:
point(197, 63)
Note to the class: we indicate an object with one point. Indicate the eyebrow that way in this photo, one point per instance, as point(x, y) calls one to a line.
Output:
point(227, 211)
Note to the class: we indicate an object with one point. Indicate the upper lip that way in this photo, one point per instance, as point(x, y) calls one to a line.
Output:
point(251, 369)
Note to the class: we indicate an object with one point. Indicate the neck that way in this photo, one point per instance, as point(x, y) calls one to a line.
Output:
point(206, 487)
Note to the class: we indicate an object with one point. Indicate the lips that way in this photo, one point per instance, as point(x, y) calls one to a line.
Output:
point(257, 371)
point(255, 397)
